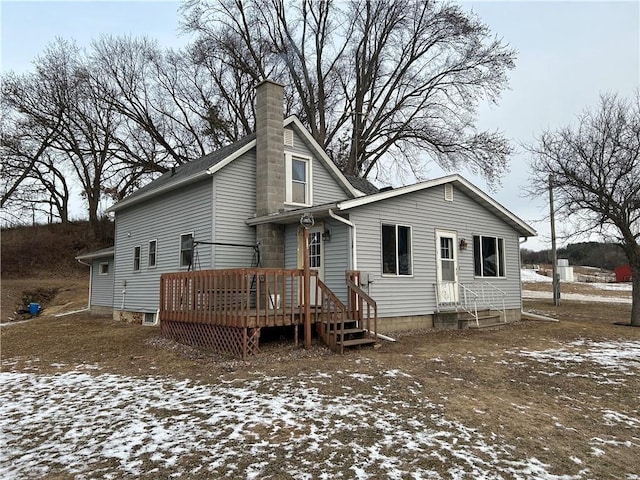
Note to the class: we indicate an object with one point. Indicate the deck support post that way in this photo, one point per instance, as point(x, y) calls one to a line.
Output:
point(307, 289)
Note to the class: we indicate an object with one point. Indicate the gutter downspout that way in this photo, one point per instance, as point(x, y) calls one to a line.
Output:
point(354, 249)
point(90, 265)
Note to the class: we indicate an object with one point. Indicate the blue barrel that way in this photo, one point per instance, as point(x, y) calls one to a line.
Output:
point(34, 308)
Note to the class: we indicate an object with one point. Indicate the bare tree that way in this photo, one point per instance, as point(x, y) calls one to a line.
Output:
point(595, 166)
point(371, 79)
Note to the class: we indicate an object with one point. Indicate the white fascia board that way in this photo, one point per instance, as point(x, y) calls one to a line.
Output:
point(94, 255)
point(152, 193)
point(530, 232)
point(376, 197)
point(322, 155)
point(238, 153)
point(288, 216)
point(466, 187)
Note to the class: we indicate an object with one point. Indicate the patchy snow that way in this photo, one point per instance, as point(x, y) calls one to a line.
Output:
point(579, 297)
point(97, 425)
point(532, 276)
point(617, 287)
point(618, 359)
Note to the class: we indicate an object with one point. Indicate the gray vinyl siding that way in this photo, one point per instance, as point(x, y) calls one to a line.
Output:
point(291, 246)
point(101, 285)
point(336, 255)
point(425, 212)
point(325, 188)
point(164, 219)
point(234, 193)
point(336, 258)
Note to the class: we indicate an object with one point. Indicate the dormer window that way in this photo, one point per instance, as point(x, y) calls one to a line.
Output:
point(298, 179)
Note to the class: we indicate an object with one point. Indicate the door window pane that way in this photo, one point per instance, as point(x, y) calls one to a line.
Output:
point(315, 253)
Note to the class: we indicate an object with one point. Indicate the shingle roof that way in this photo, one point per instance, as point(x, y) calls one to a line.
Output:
point(362, 184)
point(191, 168)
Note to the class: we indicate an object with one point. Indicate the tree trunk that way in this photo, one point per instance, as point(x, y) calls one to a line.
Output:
point(635, 293)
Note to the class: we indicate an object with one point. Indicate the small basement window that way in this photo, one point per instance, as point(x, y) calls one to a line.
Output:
point(103, 268)
point(149, 319)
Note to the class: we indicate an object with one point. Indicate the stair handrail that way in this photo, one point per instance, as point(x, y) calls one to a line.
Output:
point(489, 302)
point(465, 305)
point(331, 315)
point(357, 298)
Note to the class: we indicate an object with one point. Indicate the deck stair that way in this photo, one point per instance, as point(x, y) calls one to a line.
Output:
point(349, 335)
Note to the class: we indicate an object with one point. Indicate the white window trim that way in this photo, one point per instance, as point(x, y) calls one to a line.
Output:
point(100, 272)
point(288, 160)
point(139, 247)
point(180, 249)
point(396, 275)
point(155, 240)
point(504, 254)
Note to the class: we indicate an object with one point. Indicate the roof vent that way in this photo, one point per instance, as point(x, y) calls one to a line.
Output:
point(288, 137)
point(385, 189)
point(448, 192)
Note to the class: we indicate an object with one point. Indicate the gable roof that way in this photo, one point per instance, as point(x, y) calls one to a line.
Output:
point(461, 183)
point(209, 164)
point(187, 172)
point(333, 170)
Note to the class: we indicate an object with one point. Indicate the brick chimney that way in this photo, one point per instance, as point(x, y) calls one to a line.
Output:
point(270, 170)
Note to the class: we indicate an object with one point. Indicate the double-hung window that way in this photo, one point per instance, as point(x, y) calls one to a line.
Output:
point(186, 249)
point(488, 256)
point(298, 179)
point(136, 259)
point(153, 246)
point(396, 250)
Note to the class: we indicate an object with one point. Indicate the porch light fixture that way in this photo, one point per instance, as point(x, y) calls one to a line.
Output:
point(307, 221)
point(463, 244)
point(326, 235)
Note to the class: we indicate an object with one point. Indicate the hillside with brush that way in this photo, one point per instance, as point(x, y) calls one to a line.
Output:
point(38, 265)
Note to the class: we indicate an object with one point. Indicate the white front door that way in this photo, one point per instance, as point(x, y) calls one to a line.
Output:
point(447, 266)
point(316, 256)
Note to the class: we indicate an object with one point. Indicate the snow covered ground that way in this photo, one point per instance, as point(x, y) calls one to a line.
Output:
point(579, 297)
point(531, 276)
point(91, 424)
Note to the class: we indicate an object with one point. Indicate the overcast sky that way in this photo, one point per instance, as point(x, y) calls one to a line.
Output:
point(568, 52)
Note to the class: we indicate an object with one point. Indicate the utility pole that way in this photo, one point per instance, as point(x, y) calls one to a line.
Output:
point(554, 253)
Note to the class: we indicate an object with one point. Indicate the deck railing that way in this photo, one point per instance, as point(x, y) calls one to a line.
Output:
point(360, 306)
point(247, 297)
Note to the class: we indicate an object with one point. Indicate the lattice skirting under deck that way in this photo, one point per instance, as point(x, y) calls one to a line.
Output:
point(238, 342)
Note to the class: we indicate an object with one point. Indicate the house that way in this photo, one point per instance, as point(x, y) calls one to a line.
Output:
point(411, 252)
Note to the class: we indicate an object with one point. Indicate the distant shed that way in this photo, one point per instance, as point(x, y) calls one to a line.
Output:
point(623, 273)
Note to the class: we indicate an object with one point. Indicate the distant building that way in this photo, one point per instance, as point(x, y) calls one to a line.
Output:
point(623, 273)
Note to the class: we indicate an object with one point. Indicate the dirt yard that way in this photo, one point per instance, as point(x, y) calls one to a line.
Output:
point(86, 397)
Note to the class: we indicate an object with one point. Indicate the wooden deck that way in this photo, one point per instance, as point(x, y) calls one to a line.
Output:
point(224, 310)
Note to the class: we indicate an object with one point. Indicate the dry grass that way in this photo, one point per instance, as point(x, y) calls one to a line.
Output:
point(489, 381)
point(479, 377)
